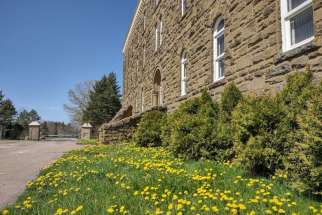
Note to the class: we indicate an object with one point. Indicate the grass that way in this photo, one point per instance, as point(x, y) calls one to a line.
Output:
point(93, 142)
point(125, 179)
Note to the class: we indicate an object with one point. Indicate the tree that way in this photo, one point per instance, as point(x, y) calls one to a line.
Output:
point(78, 101)
point(104, 101)
point(25, 118)
point(44, 129)
point(1, 96)
point(7, 113)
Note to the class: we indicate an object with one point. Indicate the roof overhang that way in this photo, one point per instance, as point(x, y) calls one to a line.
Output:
point(140, 2)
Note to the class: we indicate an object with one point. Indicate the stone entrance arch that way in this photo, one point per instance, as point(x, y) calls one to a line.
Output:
point(157, 89)
point(128, 112)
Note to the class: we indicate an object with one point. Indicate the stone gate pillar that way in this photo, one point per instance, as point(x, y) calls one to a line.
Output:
point(34, 131)
point(1, 131)
point(86, 131)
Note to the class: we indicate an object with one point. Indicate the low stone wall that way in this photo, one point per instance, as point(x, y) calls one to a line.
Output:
point(118, 131)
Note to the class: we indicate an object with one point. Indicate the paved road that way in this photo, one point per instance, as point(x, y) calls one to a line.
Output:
point(21, 161)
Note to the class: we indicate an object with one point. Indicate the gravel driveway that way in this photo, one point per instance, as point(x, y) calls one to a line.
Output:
point(21, 161)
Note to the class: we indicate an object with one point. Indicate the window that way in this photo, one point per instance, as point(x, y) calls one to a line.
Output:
point(219, 49)
point(184, 7)
point(297, 23)
point(161, 32)
point(158, 34)
point(142, 100)
point(184, 70)
point(144, 20)
point(144, 55)
point(157, 31)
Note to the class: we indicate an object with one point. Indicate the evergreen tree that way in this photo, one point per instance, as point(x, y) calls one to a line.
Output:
point(44, 129)
point(1, 96)
point(7, 114)
point(104, 101)
point(24, 119)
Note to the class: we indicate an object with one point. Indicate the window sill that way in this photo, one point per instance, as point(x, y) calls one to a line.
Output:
point(182, 17)
point(156, 7)
point(182, 98)
point(218, 83)
point(308, 47)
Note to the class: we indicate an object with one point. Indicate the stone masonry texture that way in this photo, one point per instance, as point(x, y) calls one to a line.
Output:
point(254, 60)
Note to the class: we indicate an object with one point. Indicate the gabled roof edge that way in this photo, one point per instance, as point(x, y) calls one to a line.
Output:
point(132, 24)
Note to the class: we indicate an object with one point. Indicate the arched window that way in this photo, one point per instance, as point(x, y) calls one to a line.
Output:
point(157, 32)
point(184, 71)
point(161, 32)
point(156, 96)
point(142, 99)
point(219, 49)
point(184, 7)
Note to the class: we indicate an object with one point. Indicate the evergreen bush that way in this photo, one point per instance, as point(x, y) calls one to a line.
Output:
point(148, 132)
point(222, 136)
point(304, 163)
point(230, 98)
point(189, 129)
point(260, 138)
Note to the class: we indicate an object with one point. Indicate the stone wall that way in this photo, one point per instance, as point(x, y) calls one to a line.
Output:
point(121, 130)
point(253, 49)
point(254, 60)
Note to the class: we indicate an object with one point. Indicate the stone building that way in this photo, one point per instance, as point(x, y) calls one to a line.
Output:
point(176, 48)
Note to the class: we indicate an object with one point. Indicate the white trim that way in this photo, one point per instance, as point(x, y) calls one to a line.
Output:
point(183, 7)
point(142, 100)
point(286, 16)
point(156, 37)
point(183, 77)
point(140, 3)
point(217, 58)
point(161, 32)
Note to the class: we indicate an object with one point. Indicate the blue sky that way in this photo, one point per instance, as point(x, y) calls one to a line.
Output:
point(47, 46)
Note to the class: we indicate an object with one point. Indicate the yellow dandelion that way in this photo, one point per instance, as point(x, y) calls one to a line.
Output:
point(5, 212)
point(110, 210)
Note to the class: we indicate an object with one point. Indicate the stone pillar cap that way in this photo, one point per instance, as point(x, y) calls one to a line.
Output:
point(87, 125)
point(34, 123)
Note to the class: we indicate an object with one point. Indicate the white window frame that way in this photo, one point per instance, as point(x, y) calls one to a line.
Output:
point(144, 21)
point(286, 16)
point(217, 34)
point(156, 37)
point(184, 73)
point(183, 7)
point(161, 32)
point(144, 55)
point(161, 94)
point(142, 100)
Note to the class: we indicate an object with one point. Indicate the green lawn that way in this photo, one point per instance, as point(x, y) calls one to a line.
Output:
point(125, 179)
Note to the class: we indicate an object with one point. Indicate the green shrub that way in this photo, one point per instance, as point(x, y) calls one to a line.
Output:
point(87, 142)
point(222, 142)
point(297, 91)
point(148, 132)
point(304, 163)
point(265, 128)
point(188, 130)
point(230, 98)
point(260, 134)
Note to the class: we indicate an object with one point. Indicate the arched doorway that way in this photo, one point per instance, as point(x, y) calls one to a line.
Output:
point(157, 89)
point(128, 112)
